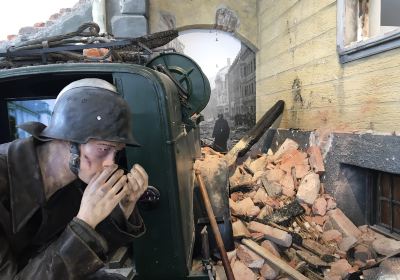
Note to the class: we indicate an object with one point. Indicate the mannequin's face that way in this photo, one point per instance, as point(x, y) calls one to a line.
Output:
point(95, 155)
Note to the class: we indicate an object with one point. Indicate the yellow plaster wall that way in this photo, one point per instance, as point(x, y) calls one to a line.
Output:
point(201, 14)
point(298, 62)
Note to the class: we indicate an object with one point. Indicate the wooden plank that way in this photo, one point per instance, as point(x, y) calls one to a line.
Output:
point(376, 62)
point(273, 259)
point(366, 88)
point(329, 69)
point(381, 117)
point(319, 47)
point(315, 72)
point(273, 24)
point(308, 29)
point(274, 9)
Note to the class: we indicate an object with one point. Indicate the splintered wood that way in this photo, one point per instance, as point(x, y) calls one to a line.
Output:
point(287, 227)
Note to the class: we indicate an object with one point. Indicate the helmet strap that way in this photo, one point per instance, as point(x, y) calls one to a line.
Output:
point(74, 160)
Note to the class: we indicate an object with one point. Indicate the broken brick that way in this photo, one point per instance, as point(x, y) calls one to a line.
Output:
point(309, 188)
point(340, 222)
point(269, 272)
point(332, 235)
point(319, 206)
point(316, 160)
point(271, 247)
point(286, 146)
point(341, 268)
point(242, 272)
point(248, 257)
point(259, 164)
point(265, 211)
point(260, 196)
point(239, 229)
point(301, 170)
point(273, 188)
point(274, 175)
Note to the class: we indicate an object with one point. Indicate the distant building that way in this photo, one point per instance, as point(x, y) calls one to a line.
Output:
point(221, 91)
point(20, 112)
point(210, 112)
point(241, 82)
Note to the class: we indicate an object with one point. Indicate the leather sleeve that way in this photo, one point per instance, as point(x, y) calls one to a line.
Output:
point(118, 231)
point(69, 257)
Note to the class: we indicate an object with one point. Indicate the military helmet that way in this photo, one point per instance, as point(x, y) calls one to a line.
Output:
point(87, 109)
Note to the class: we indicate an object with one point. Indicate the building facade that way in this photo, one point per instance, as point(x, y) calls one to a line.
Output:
point(241, 81)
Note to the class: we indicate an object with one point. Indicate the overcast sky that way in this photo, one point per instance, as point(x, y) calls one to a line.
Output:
point(15, 14)
point(210, 49)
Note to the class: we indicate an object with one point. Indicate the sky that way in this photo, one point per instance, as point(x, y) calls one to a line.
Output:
point(15, 14)
point(210, 49)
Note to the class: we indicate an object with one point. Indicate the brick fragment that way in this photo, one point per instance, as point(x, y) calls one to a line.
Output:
point(385, 246)
point(319, 220)
point(274, 175)
point(237, 196)
point(301, 170)
point(332, 235)
point(340, 222)
point(54, 16)
point(240, 230)
point(260, 196)
point(319, 206)
point(309, 188)
point(341, 268)
point(242, 272)
point(39, 24)
point(330, 204)
point(287, 145)
point(259, 164)
point(265, 211)
point(240, 178)
point(11, 37)
point(287, 185)
point(270, 246)
point(273, 188)
point(347, 243)
point(248, 257)
point(269, 272)
point(316, 160)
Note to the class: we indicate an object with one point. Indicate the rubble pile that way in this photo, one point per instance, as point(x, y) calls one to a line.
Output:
point(278, 201)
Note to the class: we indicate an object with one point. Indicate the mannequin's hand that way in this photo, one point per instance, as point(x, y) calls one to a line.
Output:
point(101, 195)
point(138, 180)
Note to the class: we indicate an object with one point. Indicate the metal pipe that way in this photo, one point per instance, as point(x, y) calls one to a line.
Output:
point(214, 227)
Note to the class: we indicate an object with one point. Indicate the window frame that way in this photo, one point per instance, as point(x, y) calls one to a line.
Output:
point(365, 48)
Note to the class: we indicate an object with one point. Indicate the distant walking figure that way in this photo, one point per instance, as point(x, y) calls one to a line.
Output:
point(221, 134)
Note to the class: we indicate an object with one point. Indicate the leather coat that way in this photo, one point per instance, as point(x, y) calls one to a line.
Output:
point(42, 239)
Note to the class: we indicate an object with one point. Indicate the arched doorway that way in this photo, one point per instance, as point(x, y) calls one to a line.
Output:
point(230, 66)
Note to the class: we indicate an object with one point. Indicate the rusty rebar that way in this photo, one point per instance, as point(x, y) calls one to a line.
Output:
point(214, 227)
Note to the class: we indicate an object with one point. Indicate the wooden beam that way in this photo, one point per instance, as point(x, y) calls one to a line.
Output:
point(274, 259)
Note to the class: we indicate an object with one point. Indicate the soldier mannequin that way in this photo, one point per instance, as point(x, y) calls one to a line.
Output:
point(221, 134)
point(64, 205)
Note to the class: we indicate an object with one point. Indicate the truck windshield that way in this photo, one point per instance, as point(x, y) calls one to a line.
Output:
point(21, 111)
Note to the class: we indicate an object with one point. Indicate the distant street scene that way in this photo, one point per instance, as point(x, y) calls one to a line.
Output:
point(232, 76)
